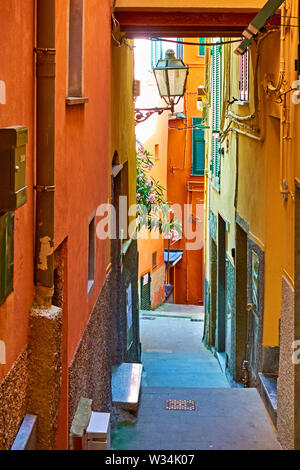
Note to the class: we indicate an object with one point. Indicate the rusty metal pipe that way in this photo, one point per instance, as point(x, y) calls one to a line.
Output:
point(44, 245)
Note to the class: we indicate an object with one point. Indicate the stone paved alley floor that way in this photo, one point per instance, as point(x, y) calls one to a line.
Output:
point(177, 366)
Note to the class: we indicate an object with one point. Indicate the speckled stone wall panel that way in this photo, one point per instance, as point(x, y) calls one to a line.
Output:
point(230, 316)
point(286, 379)
point(90, 370)
point(13, 401)
point(252, 246)
point(240, 328)
point(44, 372)
point(206, 314)
point(114, 282)
point(104, 342)
point(129, 275)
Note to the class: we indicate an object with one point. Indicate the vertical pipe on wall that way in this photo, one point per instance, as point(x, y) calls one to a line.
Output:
point(283, 116)
point(46, 55)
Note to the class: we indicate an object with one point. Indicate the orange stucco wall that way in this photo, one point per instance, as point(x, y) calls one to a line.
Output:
point(189, 271)
point(16, 71)
point(81, 171)
point(80, 131)
point(82, 151)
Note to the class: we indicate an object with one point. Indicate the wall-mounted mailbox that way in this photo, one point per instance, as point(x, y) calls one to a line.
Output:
point(13, 190)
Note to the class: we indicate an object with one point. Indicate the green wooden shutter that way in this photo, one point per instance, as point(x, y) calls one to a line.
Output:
point(146, 292)
point(202, 48)
point(156, 52)
point(198, 148)
point(216, 113)
point(6, 255)
point(179, 49)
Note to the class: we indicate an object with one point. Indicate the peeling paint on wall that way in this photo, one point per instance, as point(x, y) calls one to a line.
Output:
point(46, 250)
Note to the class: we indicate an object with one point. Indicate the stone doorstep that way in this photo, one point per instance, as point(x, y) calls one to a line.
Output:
point(268, 392)
point(126, 385)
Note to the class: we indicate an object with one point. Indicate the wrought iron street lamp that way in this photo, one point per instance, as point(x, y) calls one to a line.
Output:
point(171, 77)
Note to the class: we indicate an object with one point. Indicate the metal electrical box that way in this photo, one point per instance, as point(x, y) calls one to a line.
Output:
point(13, 190)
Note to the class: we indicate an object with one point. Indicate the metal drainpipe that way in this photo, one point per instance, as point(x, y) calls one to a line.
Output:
point(46, 67)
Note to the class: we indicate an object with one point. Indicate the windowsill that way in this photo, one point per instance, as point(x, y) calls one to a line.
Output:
point(216, 187)
point(76, 100)
point(241, 102)
point(194, 174)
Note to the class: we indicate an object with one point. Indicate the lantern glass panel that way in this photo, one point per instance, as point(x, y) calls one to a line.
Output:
point(177, 81)
point(162, 82)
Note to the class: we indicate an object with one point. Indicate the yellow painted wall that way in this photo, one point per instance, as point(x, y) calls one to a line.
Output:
point(122, 110)
point(259, 200)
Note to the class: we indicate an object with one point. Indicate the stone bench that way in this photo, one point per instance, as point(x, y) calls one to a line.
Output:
point(126, 385)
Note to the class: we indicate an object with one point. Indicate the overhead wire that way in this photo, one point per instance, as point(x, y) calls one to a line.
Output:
point(195, 43)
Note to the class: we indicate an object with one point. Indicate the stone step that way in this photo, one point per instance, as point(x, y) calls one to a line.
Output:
point(268, 392)
point(126, 385)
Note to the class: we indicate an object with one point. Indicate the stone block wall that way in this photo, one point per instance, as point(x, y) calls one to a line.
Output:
point(286, 379)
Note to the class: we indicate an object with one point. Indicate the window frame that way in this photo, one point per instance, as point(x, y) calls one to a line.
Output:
point(75, 78)
point(244, 78)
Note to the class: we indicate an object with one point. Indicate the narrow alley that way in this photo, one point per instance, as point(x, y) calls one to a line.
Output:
point(149, 225)
point(178, 367)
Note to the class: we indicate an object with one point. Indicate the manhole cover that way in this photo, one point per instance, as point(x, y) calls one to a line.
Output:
point(148, 318)
point(182, 405)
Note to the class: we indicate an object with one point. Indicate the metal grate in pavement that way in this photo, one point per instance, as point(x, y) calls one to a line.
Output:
point(181, 405)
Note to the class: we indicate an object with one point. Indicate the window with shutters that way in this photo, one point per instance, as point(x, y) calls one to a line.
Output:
point(75, 74)
point(202, 47)
point(158, 49)
point(244, 77)
point(216, 114)
point(156, 52)
point(198, 164)
point(179, 49)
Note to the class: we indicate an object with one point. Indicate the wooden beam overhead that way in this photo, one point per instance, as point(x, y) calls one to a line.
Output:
point(189, 5)
point(185, 24)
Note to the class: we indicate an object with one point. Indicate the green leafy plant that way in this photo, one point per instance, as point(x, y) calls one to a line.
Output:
point(153, 210)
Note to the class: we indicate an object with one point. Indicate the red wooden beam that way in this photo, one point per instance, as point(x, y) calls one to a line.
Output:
point(188, 24)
